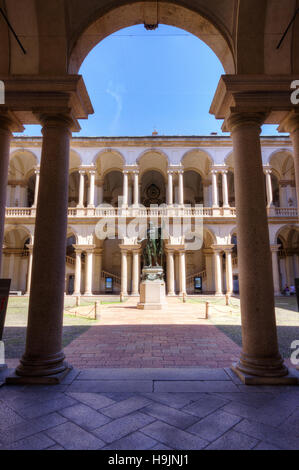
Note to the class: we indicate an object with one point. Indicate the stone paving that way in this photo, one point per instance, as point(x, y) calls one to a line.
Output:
point(158, 409)
point(177, 336)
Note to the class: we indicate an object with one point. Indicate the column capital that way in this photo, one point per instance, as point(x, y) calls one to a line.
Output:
point(267, 170)
point(290, 123)
point(228, 248)
point(30, 247)
point(217, 248)
point(55, 120)
point(275, 248)
point(8, 122)
point(37, 170)
point(237, 120)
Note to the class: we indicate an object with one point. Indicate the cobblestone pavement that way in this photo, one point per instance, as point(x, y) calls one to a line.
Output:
point(160, 409)
point(177, 336)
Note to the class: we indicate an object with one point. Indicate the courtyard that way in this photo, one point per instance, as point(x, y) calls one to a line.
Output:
point(178, 336)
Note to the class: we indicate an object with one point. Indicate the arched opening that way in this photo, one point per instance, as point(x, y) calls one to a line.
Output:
point(96, 29)
point(16, 258)
point(21, 179)
point(288, 258)
point(283, 179)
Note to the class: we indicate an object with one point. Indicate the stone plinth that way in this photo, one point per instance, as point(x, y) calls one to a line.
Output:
point(152, 289)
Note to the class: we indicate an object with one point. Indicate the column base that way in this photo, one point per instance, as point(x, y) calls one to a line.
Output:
point(135, 294)
point(54, 379)
point(171, 294)
point(248, 379)
point(3, 373)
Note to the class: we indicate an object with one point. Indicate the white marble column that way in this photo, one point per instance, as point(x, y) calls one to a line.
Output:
point(135, 272)
point(91, 188)
point(81, 188)
point(88, 270)
point(218, 271)
point(269, 187)
point(225, 189)
point(182, 258)
point(215, 188)
point(136, 188)
point(170, 272)
point(229, 270)
point(125, 188)
point(275, 269)
point(100, 191)
point(181, 187)
point(36, 188)
point(78, 270)
point(29, 268)
point(124, 272)
point(170, 188)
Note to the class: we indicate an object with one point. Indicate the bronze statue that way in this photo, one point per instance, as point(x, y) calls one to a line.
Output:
point(153, 250)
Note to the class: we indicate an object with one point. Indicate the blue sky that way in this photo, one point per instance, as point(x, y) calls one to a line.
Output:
point(142, 80)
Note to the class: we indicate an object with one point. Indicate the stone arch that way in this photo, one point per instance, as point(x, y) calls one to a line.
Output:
point(153, 160)
point(21, 163)
point(198, 160)
point(208, 29)
point(108, 159)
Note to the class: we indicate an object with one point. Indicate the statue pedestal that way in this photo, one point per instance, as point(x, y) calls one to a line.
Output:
point(152, 289)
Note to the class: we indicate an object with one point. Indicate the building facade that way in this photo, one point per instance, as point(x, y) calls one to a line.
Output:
point(115, 183)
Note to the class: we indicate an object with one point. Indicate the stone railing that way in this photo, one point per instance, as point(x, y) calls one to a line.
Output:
point(286, 212)
point(167, 211)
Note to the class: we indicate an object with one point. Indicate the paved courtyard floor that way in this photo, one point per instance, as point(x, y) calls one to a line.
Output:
point(178, 336)
point(175, 390)
point(158, 409)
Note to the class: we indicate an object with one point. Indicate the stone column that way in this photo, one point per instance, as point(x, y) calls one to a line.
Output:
point(29, 269)
point(181, 187)
point(218, 270)
point(81, 188)
point(5, 138)
point(101, 191)
point(290, 269)
point(229, 270)
point(136, 189)
point(225, 189)
point(170, 272)
point(88, 270)
point(124, 271)
point(78, 268)
point(37, 177)
point(269, 187)
point(97, 276)
point(43, 361)
point(125, 188)
point(275, 269)
point(260, 356)
point(182, 272)
point(8, 195)
point(92, 174)
point(292, 126)
point(135, 272)
point(170, 188)
point(215, 188)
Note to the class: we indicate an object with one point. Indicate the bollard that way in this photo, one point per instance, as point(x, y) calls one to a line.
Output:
point(226, 299)
point(78, 298)
point(184, 297)
point(97, 310)
point(121, 297)
point(207, 309)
